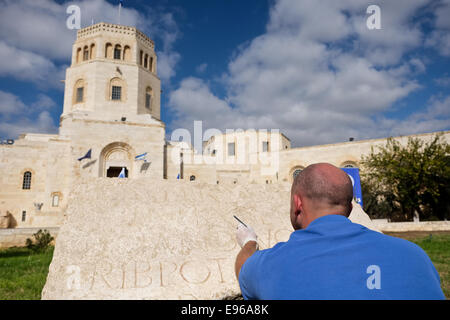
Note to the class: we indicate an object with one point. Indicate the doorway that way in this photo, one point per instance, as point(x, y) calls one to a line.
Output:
point(113, 172)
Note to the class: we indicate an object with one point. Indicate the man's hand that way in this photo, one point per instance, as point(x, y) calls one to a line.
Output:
point(246, 238)
point(245, 234)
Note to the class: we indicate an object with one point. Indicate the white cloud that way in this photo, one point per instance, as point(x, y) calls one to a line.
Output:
point(43, 123)
point(440, 37)
point(436, 117)
point(28, 66)
point(166, 64)
point(317, 74)
point(17, 118)
point(10, 104)
point(44, 102)
point(201, 68)
point(443, 81)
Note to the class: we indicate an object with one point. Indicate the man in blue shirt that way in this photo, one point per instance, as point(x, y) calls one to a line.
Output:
point(330, 257)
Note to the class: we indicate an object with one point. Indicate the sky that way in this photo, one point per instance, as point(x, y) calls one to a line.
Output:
point(309, 68)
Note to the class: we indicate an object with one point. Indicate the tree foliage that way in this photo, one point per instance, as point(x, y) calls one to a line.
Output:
point(400, 180)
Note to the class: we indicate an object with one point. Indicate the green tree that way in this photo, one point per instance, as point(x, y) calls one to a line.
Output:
point(401, 180)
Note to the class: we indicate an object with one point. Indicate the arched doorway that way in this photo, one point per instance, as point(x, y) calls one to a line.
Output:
point(114, 157)
point(295, 171)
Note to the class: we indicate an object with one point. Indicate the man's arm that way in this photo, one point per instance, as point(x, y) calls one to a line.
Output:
point(247, 250)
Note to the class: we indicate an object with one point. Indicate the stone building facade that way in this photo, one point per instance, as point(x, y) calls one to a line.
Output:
point(112, 113)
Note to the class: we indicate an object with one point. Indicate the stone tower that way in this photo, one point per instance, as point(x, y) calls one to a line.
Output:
point(112, 102)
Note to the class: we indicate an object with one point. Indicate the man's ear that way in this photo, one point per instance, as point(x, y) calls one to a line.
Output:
point(297, 203)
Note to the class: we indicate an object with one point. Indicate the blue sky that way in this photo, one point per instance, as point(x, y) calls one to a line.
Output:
point(309, 68)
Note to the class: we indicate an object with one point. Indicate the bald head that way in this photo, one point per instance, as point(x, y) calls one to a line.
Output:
point(325, 186)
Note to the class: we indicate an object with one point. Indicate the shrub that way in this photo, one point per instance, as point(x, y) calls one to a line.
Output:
point(42, 241)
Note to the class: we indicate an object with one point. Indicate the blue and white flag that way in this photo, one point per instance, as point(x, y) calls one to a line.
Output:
point(178, 177)
point(86, 156)
point(353, 173)
point(141, 157)
point(122, 173)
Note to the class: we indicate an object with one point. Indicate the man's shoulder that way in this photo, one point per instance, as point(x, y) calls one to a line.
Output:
point(394, 245)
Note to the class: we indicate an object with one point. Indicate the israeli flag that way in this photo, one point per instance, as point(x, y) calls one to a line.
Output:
point(86, 156)
point(178, 177)
point(353, 173)
point(141, 157)
point(122, 173)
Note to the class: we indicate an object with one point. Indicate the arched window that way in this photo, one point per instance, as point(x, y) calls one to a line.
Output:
point(127, 53)
point(26, 185)
point(146, 61)
point(117, 91)
point(295, 171)
point(150, 67)
point(79, 92)
point(55, 200)
point(117, 52)
point(108, 51)
point(141, 57)
point(86, 53)
point(92, 51)
point(78, 56)
point(349, 164)
point(148, 98)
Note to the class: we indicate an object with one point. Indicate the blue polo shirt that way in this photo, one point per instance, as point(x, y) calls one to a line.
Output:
point(334, 258)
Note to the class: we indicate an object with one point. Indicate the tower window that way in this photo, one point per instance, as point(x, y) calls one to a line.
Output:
point(24, 215)
point(85, 54)
point(265, 146)
point(117, 53)
point(231, 149)
point(55, 200)
point(92, 51)
point(26, 181)
point(116, 93)
point(108, 50)
point(146, 61)
point(79, 95)
point(150, 67)
point(78, 57)
point(148, 98)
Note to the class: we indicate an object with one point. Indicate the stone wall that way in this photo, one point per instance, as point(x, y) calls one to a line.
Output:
point(17, 237)
point(431, 226)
